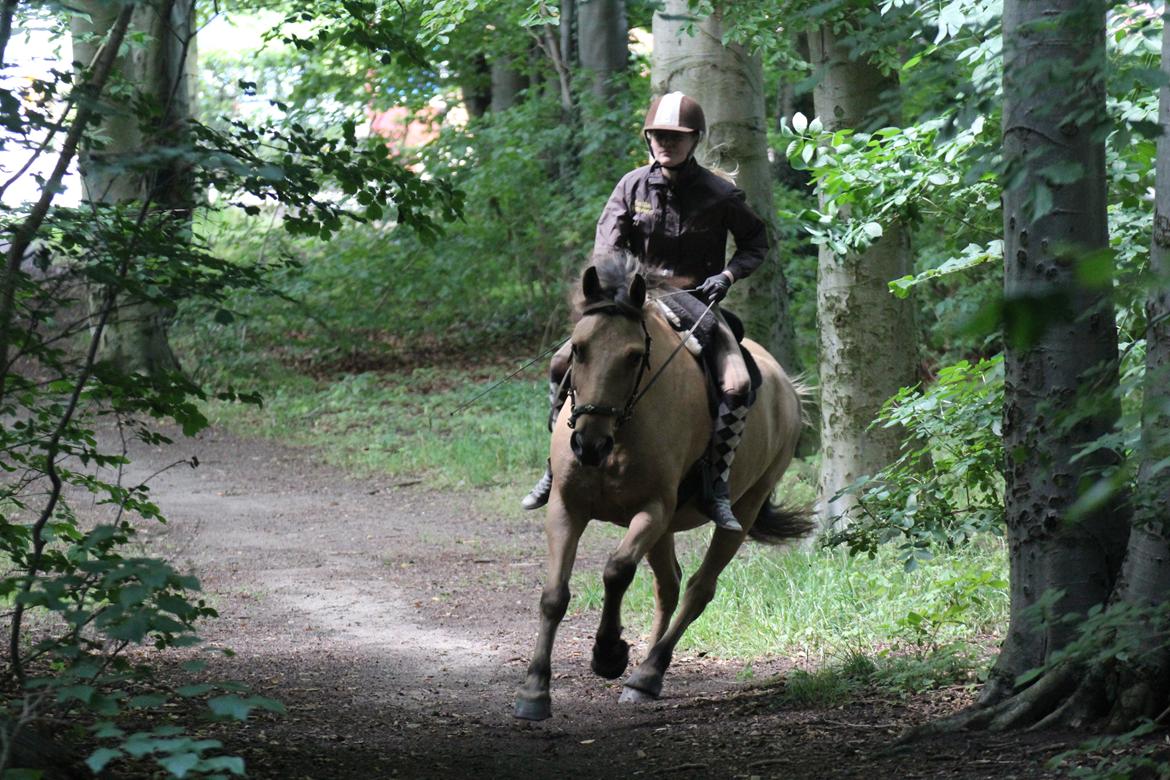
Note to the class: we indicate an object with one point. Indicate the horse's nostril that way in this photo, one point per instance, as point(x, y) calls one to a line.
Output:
point(590, 453)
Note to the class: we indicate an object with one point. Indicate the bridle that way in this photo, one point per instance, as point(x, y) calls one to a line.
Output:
point(626, 412)
point(621, 415)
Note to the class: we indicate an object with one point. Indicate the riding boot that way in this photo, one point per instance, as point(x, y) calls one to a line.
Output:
point(538, 496)
point(729, 425)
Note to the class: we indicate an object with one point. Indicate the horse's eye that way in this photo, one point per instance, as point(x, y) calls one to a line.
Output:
point(634, 358)
point(578, 353)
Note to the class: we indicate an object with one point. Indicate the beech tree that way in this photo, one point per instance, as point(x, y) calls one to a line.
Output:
point(728, 81)
point(868, 338)
point(602, 44)
point(130, 169)
point(1090, 575)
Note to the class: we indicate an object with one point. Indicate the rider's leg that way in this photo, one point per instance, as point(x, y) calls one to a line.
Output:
point(557, 393)
point(730, 418)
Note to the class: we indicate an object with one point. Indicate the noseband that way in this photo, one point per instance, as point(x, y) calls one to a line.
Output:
point(623, 414)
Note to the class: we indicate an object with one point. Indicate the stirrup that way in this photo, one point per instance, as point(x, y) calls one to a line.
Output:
point(539, 494)
point(718, 508)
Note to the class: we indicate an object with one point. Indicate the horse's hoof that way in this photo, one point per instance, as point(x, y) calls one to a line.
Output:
point(610, 661)
point(539, 708)
point(635, 696)
point(647, 683)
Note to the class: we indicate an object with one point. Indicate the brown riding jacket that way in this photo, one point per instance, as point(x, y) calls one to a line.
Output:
point(679, 228)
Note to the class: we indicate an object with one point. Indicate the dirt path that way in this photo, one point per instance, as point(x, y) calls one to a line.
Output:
point(395, 624)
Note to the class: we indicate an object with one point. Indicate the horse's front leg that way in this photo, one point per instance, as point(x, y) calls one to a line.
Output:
point(667, 576)
point(611, 654)
point(563, 531)
point(646, 681)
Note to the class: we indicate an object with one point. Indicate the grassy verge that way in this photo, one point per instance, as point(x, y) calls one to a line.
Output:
point(407, 425)
point(825, 607)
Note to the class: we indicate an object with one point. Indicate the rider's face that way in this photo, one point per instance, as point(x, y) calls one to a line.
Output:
point(671, 148)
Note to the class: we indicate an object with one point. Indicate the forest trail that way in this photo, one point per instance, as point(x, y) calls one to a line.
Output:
point(395, 625)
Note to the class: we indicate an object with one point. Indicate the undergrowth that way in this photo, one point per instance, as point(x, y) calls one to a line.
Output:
point(823, 607)
point(408, 425)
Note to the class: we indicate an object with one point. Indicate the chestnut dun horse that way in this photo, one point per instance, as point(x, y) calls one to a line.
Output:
point(619, 457)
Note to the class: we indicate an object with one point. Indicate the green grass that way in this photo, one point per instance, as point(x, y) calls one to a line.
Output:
point(823, 606)
point(403, 425)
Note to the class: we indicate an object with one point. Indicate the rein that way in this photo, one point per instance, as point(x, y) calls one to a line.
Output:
point(625, 413)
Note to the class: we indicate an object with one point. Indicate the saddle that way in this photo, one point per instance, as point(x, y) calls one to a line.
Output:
point(682, 312)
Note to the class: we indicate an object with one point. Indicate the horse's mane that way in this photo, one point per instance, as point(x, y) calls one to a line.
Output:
point(615, 271)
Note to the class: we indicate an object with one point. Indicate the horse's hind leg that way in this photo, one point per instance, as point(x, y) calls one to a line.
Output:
point(611, 653)
point(667, 576)
point(532, 700)
point(646, 681)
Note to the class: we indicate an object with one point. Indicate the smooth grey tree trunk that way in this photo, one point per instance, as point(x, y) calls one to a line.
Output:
point(868, 339)
point(728, 82)
point(603, 46)
point(135, 338)
point(507, 82)
point(1054, 104)
point(1143, 688)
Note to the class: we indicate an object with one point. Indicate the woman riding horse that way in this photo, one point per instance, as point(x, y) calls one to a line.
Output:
point(675, 216)
point(637, 423)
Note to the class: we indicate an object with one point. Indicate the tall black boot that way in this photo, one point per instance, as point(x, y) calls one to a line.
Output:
point(729, 425)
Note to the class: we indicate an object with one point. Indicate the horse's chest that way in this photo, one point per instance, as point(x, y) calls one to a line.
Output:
point(613, 492)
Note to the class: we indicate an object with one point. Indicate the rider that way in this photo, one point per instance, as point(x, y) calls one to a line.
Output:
point(675, 215)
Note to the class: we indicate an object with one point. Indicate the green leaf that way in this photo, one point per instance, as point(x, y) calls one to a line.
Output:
point(180, 764)
point(872, 229)
point(98, 759)
point(799, 123)
point(233, 764)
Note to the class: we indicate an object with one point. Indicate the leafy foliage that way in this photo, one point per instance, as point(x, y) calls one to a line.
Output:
point(947, 486)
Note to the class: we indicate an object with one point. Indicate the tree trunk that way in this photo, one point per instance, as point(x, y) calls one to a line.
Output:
point(1143, 689)
point(603, 46)
point(868, 337)
point(477, 85)
point(135, 338)
point(507, 82)
point(1053, 105)
point(728, 83)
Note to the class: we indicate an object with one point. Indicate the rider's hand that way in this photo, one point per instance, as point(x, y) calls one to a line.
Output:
point(716, 287)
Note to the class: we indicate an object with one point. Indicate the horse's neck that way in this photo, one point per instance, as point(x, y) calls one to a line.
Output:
point(683, 368)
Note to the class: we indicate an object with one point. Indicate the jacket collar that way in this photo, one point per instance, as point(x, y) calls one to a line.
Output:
point(682, 174)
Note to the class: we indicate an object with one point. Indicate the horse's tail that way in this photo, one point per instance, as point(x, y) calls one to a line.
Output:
point(777, 525)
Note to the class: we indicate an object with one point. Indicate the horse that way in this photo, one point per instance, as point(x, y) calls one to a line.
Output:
point(637, 422)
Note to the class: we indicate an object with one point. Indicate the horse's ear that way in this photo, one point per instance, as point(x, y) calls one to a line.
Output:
point(638, 291)
point(591, 284)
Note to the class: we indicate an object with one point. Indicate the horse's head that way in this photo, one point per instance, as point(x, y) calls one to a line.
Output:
point(610, 356)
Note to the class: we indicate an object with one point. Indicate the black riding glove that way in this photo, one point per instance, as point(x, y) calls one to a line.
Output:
point(716, 287)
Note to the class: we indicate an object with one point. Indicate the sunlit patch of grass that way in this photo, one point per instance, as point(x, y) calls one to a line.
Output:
point(820, 605)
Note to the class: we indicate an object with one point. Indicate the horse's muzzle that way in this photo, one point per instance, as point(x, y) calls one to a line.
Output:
point(591, 453)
